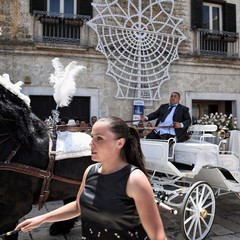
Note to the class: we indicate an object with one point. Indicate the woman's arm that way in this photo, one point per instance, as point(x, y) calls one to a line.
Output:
point(140, 190)
point(65, 212)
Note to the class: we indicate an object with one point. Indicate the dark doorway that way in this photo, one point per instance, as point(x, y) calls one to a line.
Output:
point(213, 108)
point(79, 108)
point(228, 107)
point(201, 107)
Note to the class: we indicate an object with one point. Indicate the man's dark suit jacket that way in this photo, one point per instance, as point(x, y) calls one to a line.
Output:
point(181, 115)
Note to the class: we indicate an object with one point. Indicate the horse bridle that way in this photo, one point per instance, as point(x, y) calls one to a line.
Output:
point(47, 174)
point(13, 152)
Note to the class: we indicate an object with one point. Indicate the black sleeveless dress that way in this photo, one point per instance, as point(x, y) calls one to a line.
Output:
point(106, 210)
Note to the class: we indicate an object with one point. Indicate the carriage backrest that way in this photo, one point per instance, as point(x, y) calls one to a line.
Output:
point(202, 128)
point(155, 151)
point(201, 132)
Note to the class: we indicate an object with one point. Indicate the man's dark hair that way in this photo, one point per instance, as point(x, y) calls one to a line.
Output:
point(178, 94)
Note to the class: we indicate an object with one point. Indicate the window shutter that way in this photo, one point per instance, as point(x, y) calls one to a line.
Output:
point(229, 17)
point(84, 7)
point(196, 13)
point(40, 5)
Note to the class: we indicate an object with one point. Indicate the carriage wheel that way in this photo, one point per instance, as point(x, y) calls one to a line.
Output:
point(198, 211)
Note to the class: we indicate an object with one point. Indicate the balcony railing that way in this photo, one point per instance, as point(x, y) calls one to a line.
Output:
point(216, 43)
point(61, 28)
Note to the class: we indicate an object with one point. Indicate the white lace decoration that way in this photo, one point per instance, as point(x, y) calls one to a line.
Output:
point(140, 40)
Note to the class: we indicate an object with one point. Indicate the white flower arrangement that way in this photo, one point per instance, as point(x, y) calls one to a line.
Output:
point(221, 120)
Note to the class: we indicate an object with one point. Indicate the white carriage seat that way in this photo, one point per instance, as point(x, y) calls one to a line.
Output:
point(197, 154)
point(157, 157)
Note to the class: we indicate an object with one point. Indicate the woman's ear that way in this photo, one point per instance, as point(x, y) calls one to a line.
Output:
point(121, 142)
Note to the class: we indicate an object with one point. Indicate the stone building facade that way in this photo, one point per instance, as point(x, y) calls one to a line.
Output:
point(207, 73)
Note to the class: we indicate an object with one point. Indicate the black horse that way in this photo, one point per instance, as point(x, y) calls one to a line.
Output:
point(24, 140)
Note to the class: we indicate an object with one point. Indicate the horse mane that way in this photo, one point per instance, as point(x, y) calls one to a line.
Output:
point(17, 119)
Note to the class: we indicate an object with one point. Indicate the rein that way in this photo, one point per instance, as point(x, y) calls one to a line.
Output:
point(4, 140)
point(34, 172)
point(47, 175)
point(13, 153)
point(7, 119)
point(152, 128)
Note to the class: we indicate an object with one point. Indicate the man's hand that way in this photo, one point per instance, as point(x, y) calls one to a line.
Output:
point(177, 125)
point(142, 119)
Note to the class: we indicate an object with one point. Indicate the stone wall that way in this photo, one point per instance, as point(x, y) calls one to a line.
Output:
point(21, 58)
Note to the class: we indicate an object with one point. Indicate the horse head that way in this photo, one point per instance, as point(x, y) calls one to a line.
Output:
point(24, 139)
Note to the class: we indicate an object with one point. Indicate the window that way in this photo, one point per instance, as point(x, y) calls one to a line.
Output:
point(212, 16)
point(62, 6)
point(212, 20)
point(214, 23)
point(70, 6)
point(61, 21)
point(79, 7)
point(218, 15)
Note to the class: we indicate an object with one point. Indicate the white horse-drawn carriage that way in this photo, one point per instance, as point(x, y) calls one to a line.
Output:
point(187, 177)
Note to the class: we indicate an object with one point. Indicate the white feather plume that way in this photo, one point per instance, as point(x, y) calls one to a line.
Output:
point(63, 81)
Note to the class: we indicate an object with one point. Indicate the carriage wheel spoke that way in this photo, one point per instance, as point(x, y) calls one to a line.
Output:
point(198, 215)
point(193, 220)
point(200, 226)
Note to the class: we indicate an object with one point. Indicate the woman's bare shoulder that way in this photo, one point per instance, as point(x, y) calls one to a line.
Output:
point(137, 183)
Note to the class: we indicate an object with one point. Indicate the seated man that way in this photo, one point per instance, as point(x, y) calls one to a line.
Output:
point(173, 120)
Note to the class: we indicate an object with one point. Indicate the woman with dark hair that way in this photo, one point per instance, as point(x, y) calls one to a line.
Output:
point(115, 199)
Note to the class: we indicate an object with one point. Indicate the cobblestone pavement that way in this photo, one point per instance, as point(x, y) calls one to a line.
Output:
point(226, 224)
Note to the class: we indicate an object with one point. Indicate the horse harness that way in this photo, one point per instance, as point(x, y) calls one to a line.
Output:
point(47, 174)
